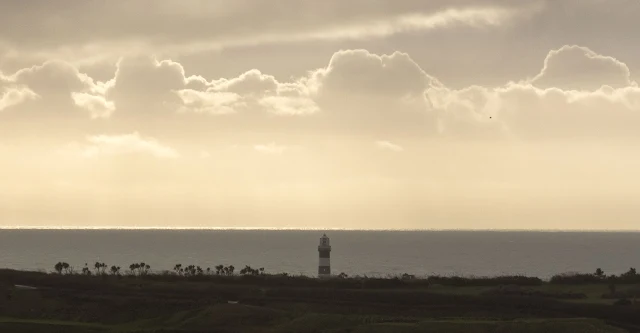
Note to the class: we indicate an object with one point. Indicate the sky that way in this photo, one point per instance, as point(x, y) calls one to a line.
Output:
point(359, 114)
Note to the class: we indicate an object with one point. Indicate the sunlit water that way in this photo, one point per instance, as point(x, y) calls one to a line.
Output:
point(379, 253)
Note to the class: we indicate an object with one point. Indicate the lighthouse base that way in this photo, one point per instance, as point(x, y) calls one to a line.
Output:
point(324, 271)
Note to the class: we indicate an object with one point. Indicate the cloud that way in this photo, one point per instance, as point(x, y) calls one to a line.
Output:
point(55, 83)
point(194, 24)
point(592, 97)
point(574, 67)
point(250, 92)
point(528, 112)
point(384, 27)
point(144, 86)
point(270, 149)
point(97, 105)
point(11, 96)
point(291, 106)
point(126, 144)
point(386, 145)
point(210, 102)
point(357, 94)
point(361, 90)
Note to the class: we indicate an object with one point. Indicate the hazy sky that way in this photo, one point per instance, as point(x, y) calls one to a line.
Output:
point(389, 114)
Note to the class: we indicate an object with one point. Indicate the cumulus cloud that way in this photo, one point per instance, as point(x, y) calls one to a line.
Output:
point(211, 102)
point(96, 104)
point(356, 93)
point(575, 67)
point(62, 91)
point(145, 86)
point(125, 144)
point(375, 92)
point(14, 96)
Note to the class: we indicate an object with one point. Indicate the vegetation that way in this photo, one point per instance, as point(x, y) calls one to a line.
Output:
point(599, 277)
point(191, 298)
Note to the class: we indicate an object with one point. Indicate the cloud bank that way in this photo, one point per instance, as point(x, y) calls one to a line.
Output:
point(578, 93)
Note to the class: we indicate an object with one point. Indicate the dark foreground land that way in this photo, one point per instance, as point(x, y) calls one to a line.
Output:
point(164, 303)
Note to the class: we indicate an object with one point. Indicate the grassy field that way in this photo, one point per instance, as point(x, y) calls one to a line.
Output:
point(261, 305)
point(242, 318)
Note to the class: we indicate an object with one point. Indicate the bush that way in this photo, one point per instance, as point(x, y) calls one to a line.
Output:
point(630, 277)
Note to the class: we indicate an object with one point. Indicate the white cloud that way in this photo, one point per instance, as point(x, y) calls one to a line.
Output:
point(357, 93)
point(362, 91)
point(126, 144)
point(14, 96)
point(62, 91)
point(189, 25)
point(146, 86)
point(97, 105)
point(387, 26)
point(574, 67)
point(386, 145)
point(211, 102)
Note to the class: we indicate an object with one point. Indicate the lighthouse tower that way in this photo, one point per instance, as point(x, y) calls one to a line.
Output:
point(324, 250)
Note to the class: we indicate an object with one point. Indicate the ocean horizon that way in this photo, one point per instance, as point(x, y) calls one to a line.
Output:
point(541, 253)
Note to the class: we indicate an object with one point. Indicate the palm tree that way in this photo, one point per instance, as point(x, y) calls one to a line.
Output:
point(58, 267)
point(100, 268)
point(133, 268)
point(115, 270)
point(67, 269)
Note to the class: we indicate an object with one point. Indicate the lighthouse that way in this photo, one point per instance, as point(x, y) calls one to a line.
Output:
point(324, 252)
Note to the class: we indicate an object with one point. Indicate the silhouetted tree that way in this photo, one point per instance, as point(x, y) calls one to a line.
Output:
point(143, 269)
point(115, 270)
point(219, 269)
point(59, 267)
point(178, 269)
point(100, 268)
point(133, 268)
point(599, 273)
point(85, 270)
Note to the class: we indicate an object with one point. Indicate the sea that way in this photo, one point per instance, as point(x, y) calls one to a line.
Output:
point(371, 253)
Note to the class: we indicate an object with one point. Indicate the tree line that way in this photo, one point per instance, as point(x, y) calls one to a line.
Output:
point(143, 269)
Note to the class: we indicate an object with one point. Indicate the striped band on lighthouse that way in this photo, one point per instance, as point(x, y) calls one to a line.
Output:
point(324, 253)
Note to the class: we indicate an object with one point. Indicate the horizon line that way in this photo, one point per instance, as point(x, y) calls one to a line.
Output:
point(160, 228)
